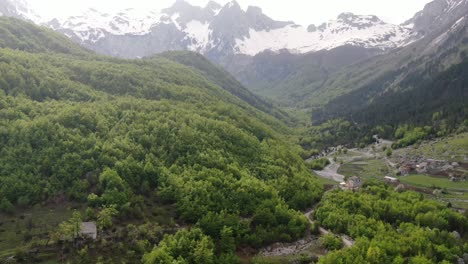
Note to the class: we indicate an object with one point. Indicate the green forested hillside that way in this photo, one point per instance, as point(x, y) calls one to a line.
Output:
point(226, 81)
point(415, 105)
point(121, 137)
point(20, 35)
point(418, 87)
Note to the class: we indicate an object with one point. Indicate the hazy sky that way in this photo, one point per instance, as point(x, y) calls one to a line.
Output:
point(303, 12)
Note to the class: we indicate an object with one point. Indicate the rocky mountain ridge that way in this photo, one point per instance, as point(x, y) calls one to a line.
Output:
point(217, 31)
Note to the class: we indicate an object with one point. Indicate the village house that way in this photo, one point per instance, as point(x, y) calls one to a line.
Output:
point(88, 230)
point(352, 184)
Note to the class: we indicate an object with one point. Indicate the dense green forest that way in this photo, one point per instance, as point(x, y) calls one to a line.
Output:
point(392, 227)
point(113, 133)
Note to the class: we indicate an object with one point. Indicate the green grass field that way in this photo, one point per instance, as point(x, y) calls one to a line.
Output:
point(325, 181)
point(366, 169)
point(455, 192)
point(430, 182)
point(462, 205)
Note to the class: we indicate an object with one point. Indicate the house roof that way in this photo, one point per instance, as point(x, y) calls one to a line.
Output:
point(88, 228)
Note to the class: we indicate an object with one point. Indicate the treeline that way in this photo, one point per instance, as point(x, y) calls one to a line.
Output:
point(392, 227)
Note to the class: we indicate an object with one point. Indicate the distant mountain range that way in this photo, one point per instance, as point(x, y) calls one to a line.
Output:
point(215, 31)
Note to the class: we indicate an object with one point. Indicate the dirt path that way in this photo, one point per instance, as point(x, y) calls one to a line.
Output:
point(331, 172)
point(347, 241)
point(285, 249)
point(282, 249)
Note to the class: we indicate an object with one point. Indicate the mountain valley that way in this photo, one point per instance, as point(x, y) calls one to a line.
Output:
point(216, 134)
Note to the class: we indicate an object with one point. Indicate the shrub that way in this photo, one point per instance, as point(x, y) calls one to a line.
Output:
point(331, 242)
point(318, 164)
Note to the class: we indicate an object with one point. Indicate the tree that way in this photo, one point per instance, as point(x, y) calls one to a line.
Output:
point(115, 189)
point(104, 217)
point(6, 206)
point(185, 247)
point(227, 243)
point(93, 200)
point(331, 242)
point(75, 223)
point(389, 152)
point(375, 255)
point(90, 214)
point(70, 230)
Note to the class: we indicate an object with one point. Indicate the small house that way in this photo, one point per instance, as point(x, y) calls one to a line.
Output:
point(354, 183)
point(88, 230)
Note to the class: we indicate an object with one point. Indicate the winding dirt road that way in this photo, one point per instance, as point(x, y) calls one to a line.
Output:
point(347, 242)
point(331, 172)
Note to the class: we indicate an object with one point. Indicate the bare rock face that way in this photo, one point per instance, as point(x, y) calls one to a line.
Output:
point(312, 28)
point(436, 14)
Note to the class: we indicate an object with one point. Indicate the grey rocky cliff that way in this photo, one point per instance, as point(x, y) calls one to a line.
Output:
point(437, 14)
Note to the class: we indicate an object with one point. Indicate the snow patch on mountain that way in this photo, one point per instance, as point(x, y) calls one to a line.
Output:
point(200, 35)
point(94, 24)
point(365, 31)
point(174, 18)
point(19, 9)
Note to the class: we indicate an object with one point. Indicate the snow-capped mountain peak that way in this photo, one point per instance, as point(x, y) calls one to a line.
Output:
point(94, 25)
point(19, 9)
point(359, 21)
point(347, 29)
point(221, 30)
point(233, 4)
point(213, 7)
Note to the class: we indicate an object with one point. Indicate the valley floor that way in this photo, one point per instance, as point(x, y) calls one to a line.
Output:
point(447, 183)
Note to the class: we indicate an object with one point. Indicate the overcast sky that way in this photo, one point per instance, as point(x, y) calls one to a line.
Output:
point(303, 12)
